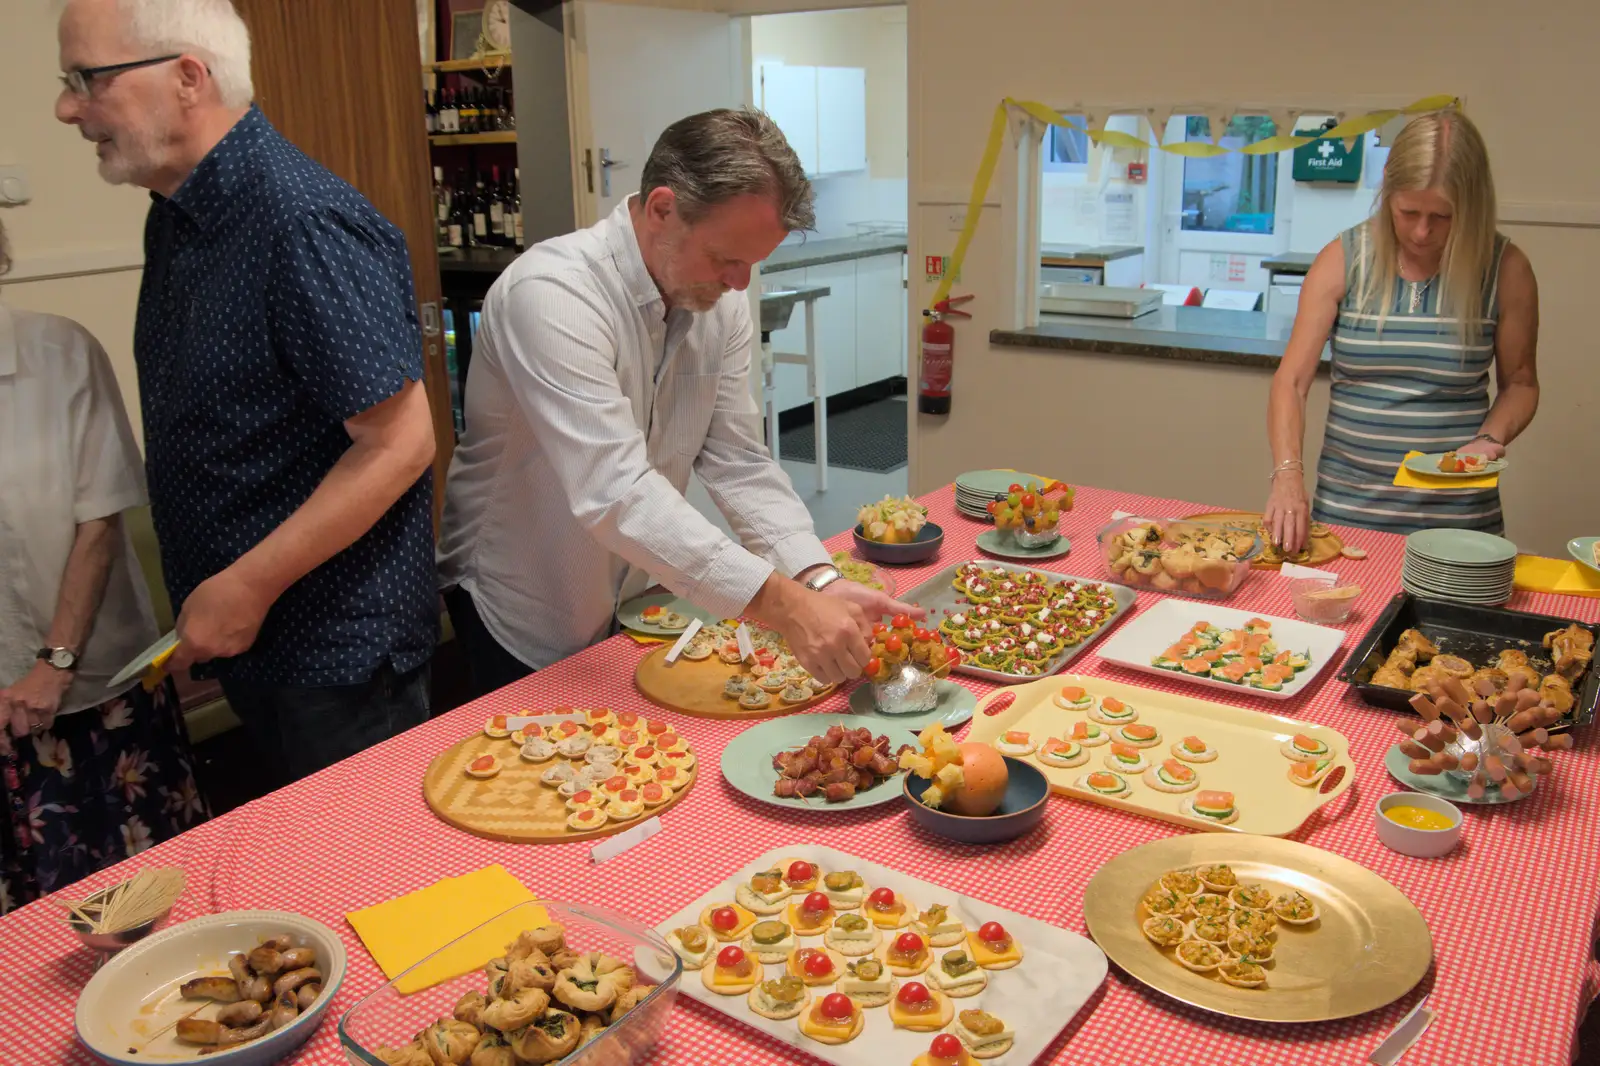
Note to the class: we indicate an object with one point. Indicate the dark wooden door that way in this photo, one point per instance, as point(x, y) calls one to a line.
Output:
point(342, 79)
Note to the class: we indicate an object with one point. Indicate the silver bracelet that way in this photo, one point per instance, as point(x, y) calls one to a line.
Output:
point(1286, 464)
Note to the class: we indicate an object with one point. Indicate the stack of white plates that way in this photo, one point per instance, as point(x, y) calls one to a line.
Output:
point(1460, 565)
point(976, 488)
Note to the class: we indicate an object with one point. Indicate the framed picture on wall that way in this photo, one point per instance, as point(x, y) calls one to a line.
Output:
point(465, 29)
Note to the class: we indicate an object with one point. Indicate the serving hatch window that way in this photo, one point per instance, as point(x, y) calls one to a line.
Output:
point(1230, 193)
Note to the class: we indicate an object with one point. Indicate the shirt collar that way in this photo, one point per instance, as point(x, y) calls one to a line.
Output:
point(630, 261)
point(8, 343)
point(214, 184)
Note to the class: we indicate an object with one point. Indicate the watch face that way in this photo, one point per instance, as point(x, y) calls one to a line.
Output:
point(61, 659)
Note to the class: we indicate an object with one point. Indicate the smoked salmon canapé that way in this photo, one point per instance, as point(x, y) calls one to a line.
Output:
point(1215, 807)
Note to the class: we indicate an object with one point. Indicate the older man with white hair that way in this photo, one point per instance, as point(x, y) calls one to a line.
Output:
point(288, 438)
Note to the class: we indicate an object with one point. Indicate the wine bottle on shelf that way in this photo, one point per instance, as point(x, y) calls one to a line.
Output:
point(461, 212)
point(441, 207)
point(480, 213)
point(472, 115)
point(516, 207)
point(497, 208)
point(445, 121)
point(430, 116)
point(508, 216)
point(510, 109)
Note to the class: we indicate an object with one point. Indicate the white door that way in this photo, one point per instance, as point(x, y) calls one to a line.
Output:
point(633, 71)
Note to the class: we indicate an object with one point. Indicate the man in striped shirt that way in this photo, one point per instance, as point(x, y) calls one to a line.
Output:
point(609, 364)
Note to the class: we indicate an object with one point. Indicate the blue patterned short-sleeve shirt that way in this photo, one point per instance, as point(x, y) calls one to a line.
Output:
point(277, 303)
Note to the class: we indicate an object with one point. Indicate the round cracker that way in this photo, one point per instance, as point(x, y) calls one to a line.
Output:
point(991, 1051)
point(708, 971)
point(876, 999)
point(746, 897)
point(854, 949)
point(750, 998)
point(855, 1031)
point(962, 992)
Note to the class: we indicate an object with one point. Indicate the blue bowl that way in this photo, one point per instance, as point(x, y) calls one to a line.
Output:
point(1021, 810)
point(929, 539)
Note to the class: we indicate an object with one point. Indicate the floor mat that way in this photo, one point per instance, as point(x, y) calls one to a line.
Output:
point(870, 437)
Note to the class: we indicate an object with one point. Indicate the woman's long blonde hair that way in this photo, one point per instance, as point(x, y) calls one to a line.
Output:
point(1441, 150)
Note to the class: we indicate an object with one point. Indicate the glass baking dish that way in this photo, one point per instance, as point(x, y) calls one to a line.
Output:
point(392, 1018)
point(1209, 560)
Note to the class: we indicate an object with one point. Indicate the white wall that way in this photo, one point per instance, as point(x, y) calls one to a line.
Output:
point(1518, 68)
point(78, 245)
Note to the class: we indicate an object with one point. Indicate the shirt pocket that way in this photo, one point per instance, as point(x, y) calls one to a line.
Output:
point(684, 409)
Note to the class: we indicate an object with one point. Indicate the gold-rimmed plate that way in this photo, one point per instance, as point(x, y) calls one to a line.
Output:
point(1369, 947)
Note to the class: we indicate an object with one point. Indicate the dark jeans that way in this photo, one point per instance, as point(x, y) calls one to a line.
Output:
point(489, 664)
point(299, 730)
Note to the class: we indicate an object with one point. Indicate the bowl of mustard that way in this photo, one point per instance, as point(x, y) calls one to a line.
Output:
point(1417, 824)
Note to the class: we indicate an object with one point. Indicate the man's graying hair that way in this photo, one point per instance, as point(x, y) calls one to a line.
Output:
point(709, 158)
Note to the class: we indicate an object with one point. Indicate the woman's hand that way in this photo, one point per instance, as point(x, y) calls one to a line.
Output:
point(1486, 448)
point(1288, 513)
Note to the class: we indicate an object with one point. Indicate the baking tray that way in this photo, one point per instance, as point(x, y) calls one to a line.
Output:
point(1059, 972)
point(1370, 947)
point(937, 594)
point(1477, 634)
point(1166, 621)
point(1249, 763)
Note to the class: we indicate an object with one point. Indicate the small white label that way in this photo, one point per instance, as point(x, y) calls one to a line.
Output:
point(612, 846)
point(747, 647)
point(1290, 570)
point(684, 639)
point(1403, 1036)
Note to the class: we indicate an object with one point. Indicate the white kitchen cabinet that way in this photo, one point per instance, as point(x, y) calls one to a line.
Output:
point(841, 120)
point(836, 324)
point(789, 95)
point(789, 382)
point(880, 311)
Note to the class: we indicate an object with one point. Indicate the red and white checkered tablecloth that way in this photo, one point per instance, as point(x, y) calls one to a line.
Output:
point(1512, 910)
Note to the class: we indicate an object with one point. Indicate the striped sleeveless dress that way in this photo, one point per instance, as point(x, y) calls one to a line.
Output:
point(1414, 387)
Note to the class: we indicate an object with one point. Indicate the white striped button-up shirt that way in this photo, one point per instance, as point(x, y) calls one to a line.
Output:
point(586, 408)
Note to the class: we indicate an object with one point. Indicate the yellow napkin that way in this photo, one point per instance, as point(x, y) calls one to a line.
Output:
point(1535, 573)
point(409, 928)
point(646, 638)
point(1405, 479)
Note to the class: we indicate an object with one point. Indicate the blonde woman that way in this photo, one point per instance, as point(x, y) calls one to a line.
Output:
point(1420, 304)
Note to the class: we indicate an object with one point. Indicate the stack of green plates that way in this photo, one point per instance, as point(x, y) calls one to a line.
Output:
point(976, 488)
point(1461, 565)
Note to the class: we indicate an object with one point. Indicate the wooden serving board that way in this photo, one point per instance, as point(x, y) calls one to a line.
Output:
point(514, 805)
point(695, 688)
point(1249, 761)
point(1323, 549)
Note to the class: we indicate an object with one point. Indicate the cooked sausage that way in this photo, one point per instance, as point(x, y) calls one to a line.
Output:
point(257, 988)
point(281, 942)
point(239, 968)
point(1495, 767)
point(1424, 767)
point(1412, 750)
point(299, 958)
point(265, 960)
point(307, 995)
point(245, 1012)
point(1534, 738)
point(1469, 761)
point(1445, 761)
point(221, 989)
point(1559, 742)
point(1482, 712)
point(293, 980)
point(1429, 739)
point(285, 1009)
point(1424, 706)
point(215, 1034)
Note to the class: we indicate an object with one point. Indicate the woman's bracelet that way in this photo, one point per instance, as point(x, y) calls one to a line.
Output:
point(1285, 465)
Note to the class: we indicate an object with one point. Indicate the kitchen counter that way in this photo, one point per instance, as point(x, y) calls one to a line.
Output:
point(1085, 254)
point(480, 260)
point(1189, 334)
point(823, 250)
point(1288, 263)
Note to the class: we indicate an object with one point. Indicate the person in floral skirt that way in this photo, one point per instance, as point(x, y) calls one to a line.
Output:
point(88, 775)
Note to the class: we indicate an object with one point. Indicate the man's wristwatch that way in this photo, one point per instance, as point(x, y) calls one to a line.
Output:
point(822, 577)
point(60, 658)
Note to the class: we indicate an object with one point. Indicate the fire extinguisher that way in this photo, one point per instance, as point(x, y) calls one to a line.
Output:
point(938, 356)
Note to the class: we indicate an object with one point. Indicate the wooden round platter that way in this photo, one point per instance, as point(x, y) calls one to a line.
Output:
point(1324, 549)
point(695, 688)
point(513, 806)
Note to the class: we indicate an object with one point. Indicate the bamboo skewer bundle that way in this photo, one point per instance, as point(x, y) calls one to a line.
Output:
point(144, 898)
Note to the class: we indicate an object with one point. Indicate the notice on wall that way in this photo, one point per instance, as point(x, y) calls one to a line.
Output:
point(1120, 223)
point(1226, 269)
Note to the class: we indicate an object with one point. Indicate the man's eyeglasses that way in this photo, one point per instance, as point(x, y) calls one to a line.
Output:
point(81, 82)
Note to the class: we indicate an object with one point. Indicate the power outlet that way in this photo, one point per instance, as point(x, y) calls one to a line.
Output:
point(956, 221)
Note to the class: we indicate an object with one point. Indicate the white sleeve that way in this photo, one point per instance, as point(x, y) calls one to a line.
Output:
point(559, 348)
point(748, 487)
point(107, 466)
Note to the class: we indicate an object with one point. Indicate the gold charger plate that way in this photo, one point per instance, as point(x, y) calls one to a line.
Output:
point(1370, 947)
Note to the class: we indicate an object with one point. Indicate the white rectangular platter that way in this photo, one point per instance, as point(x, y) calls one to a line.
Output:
point(1249, 763)
point(1059, 971)
point(1161, 625)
